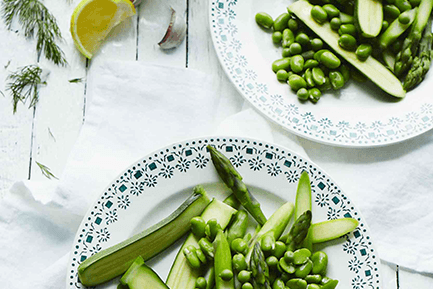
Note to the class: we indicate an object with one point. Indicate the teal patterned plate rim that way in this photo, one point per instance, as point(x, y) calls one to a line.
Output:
point(151, 188)
point(359, 115)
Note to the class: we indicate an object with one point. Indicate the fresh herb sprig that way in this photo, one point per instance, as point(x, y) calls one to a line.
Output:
point(36, 20)
point(24, 85)
point(46, 171)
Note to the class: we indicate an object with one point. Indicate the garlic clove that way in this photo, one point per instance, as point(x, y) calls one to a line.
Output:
point(175, 33)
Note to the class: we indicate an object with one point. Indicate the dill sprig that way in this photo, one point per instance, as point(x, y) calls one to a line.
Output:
point(36, 19)
point(24, 84)
point(46, 171)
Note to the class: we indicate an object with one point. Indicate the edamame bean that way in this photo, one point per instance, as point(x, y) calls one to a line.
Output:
point(307, 55)
point(247, 285)
point(318, 75)
point(320, 262)
point(281, 22)
point(211, 228)
point(313, 286)
point(267, 243)
point(288, 256)
point(315, 94)
point(347, 29)
point(308, 76)
point(347, 42)
point(326, 86)
point(331, 10)
point(272, 261)
point(403, 5)
point(293, 24)
point(206, 247)
point(239, 262)
point(286, 52)
point(329, 283)
point(303, 39)
point(282, 75)
point(316, 44)
point(191, 256)
point(404, 18)
point(346, 18)
point(279, 249)
point(288, 38)
point(345, 71)
point(303, 94)
point(297, 63)
point(391, 11)
point(319, 53)
point(283, 63)
point(330, 60)
point(238, 227)
point(200, 283)
point(286, 267)
point(200, 255)
point(198, 225)
point(310, 63)
point(319, 14)
point(226, 274)
point(264, 19)
point(301, 256)
point(295, 48)
point(296, 82)
point(316, 279)
point(277, 36)
point(363, 51)
point(297, 283)
point(303, 270)
point(278, 284)
point(244, 276)
point(238, 245)
point(335, 23)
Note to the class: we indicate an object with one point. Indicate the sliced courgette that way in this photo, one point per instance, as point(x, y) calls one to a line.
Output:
point(371, 68)
point(115, 260)
point(369, 17)
point(332, 229)
point(182, 275)
point(140, 276)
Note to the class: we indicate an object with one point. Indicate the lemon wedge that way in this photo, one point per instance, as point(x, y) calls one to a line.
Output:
point(92, 20)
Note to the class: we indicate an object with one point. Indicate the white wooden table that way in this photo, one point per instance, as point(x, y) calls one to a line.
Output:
point(47, 133)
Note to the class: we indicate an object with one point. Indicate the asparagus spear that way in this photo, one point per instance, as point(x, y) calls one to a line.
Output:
point(234, 181)
point(405, 57)
point(421, 63)
point(299, 231)
point(259, 268)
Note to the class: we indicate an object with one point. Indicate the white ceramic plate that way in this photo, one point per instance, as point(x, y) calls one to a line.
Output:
point(359, 115)
point(153, 187)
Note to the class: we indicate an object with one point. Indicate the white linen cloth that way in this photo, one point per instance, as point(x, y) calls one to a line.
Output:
point(137, 108)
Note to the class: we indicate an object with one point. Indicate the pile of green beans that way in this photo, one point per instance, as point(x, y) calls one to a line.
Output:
point(274, 263)
point(306, 65)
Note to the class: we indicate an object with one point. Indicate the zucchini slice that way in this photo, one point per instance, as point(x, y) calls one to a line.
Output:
point(332, 229)
point(371, 68)
point(115, 260)
point(182, 275)
point(140, 276)
point(369, 17)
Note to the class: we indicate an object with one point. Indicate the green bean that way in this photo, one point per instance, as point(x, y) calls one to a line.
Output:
point(328, 59)
point(301, 256)
point(239, 262)
point(296, 82)
point(305, 269)
point(198, 226)
point(280, 248)
point(335, 23)
point(226, 274)
point(212, 228)
point(277, 36)
point(347, 29)
point(314, 94)
point(403, 5)
point(303, 39)
point(319, 14)
point(286, 52)
point(297, 63)
point(316, 279)
point(320, 262)
point(206, 247)
point(288, 38)
point(283, 63)
point(264, 19)
point(297, 283)
point(239, 226)
point(281, 22)
point(303, 94)
point(191, 256)
point(200, 283)
point(310, 63)
point(316, 44)
point(347, 42)
point(391, 11)
point(331, 10)
point(244, 276)
point(293, 24)
point(295, 48)
point(278, 284)
point(308, 76)
point(318, 75)
point(363, 51)
point(247, 285)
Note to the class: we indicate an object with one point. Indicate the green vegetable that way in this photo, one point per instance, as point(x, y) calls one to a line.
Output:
point(403, 5)
point(239, 262)
point(293, 24)
point(303, 93)
point(335, 23)
point(331, 11)
point(281, 22)
point(369, 17)
point(346, 18)
point(347, 29)
point(198, 226)
point(347, 42)
point(211, 278)
point(222, 263)
point(372, 68)
point(332, 229)
point(391, 11)
point(316, 44)
point(139, 276)
point(278, 284)
point(319, 14)
point(247, 285)
point(232, 201)
point(297, 283)
point(244, 276)
point(295, 48)
point(264, 19)
point(286, 266)
point(336, 79)
point(272, 261)
point(314, 94)
point(297, 63)
point(238, 245)
point(115, 260)
point(315, 279)
point(303, 195)
point(320, 263)
point(234, 181)
point(308, 76)
point(279, 250)
point(282, 75)
point(310, 63)
point(329, 283)
point(181, 275)
point(212, 228)
point(207, 248)
point(303, 270)
point(259, 268)
point(281, 64)
point(191, 256)
point(296, 82)
point(303, 39)
point(201, 283)
point(277, 36)
point(363, 51)
point(330, 60)
point(299, 231)
point(395, 29)
point(288, 38)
